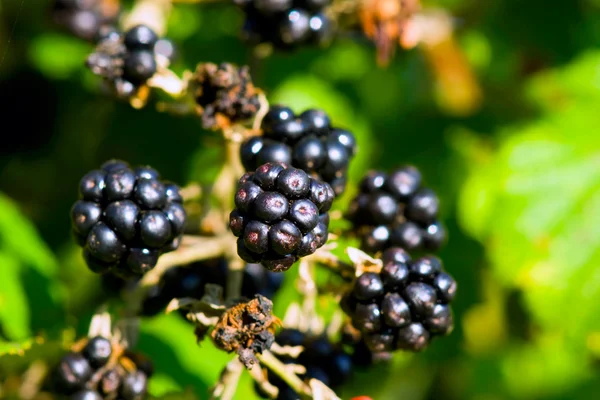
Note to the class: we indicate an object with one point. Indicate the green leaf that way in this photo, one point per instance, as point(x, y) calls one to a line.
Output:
point(535, 202)
point(30, 294)
point(15, 357)
point(58, 56)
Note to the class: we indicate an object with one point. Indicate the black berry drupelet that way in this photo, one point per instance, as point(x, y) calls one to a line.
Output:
point(286, 24)
point(128, 60)
point(126, 218)
point(277, 215)
point(396, 210)
point(323, 360)
point(403, 306)
point(101, 367)
point(307, 141)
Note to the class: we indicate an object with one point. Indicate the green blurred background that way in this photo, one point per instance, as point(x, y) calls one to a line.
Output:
point(518, 175)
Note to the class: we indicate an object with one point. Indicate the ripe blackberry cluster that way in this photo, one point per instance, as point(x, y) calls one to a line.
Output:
point(323, 360)
point(85, 18)
point(126, 218)
point(307, 141)
point(286, 23)
point(280, 216)
point(126, 61)
point(189, 281)
point(403, 306)
point(396, 210)
point(224, 94)
point(95, 373)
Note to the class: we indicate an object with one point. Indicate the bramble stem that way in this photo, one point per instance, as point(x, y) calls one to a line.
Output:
point(274, 364)
point(228, 381)
point(345, 270)
point(153, 13)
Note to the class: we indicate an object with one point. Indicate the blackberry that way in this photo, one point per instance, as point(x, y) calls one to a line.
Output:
point(84, 19)
point(286, 24)
point(126, 218)
point(276, 220)
point(395, 210)
point(323, 360)
point(307, 141)
point(78, 373)
point(404, 305)
point(128, 60)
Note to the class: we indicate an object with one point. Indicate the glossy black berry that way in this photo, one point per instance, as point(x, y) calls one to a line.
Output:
point(177, 217)
point(440, 321)
point(376, 239)
point(246, 194)
point(96, 265)
point(84, 215)
point(396, 311)
point(114, 165)
point(146, 172)
point(426, 268)
point(92, 185)
point(394, 274)
point(256, 237)
point(321, 28)
point(277, 113)
point(413, 337)
point(141, 260)
point(403, 183)
point(368, 286)
point(155, 229)
point(274, 152)
point(407, 235)
point(245, 254)
point(104, 244)
point(382, 208)
point(309, 154)
point(97, 351)
point(139, 66)
point(421, 297)
point(380, 342)
point(367, 317)
point(119, 184)
point(308, 245)
point(322, 195)
point(237, 222)
point(122, 217)
point(321, 233)
point(150, 194)
point(140, 37)
point(72, 373)
point(284, 237)
point(373, 181)
point(270, 206)
point(134, 386)
point(293, 183)
point(434, 236)
point(337, 160)
point(396, 255)
point(343, 137)
point(289, 131)
point(317, 121)
point(304, 214)
point(249, 151)
point(445, 286)
point(172, 193)
point(423, 207)
point(278, 263)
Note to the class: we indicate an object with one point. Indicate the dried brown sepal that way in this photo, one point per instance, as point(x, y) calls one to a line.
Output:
point(224, 94)
point(247, 328)
point(384, 22)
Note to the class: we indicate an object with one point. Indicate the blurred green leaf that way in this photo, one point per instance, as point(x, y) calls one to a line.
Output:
point(28, 267)
point(15, 357)
point(58, 56)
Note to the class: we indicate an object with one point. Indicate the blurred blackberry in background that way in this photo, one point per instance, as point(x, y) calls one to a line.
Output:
point(396, 210)
point(405, 305)
point(279, 216)
point(323, 360)
point(286, 23)
point(306, 141)
point(189, 282)
point(126, 218)
point(127, 60)
point(91, 375)
point(224, 94)
point(85, 18)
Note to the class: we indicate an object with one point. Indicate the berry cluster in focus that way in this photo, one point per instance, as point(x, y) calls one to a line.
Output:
point(403, 306)
point(286, 23)
point(98, 373)
point(280, 216)
point(126, 61)
point(224, 94)
point(85, 18)
point(396, 210)
point(323, 360)
point(307, 141)
point(126, 218)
